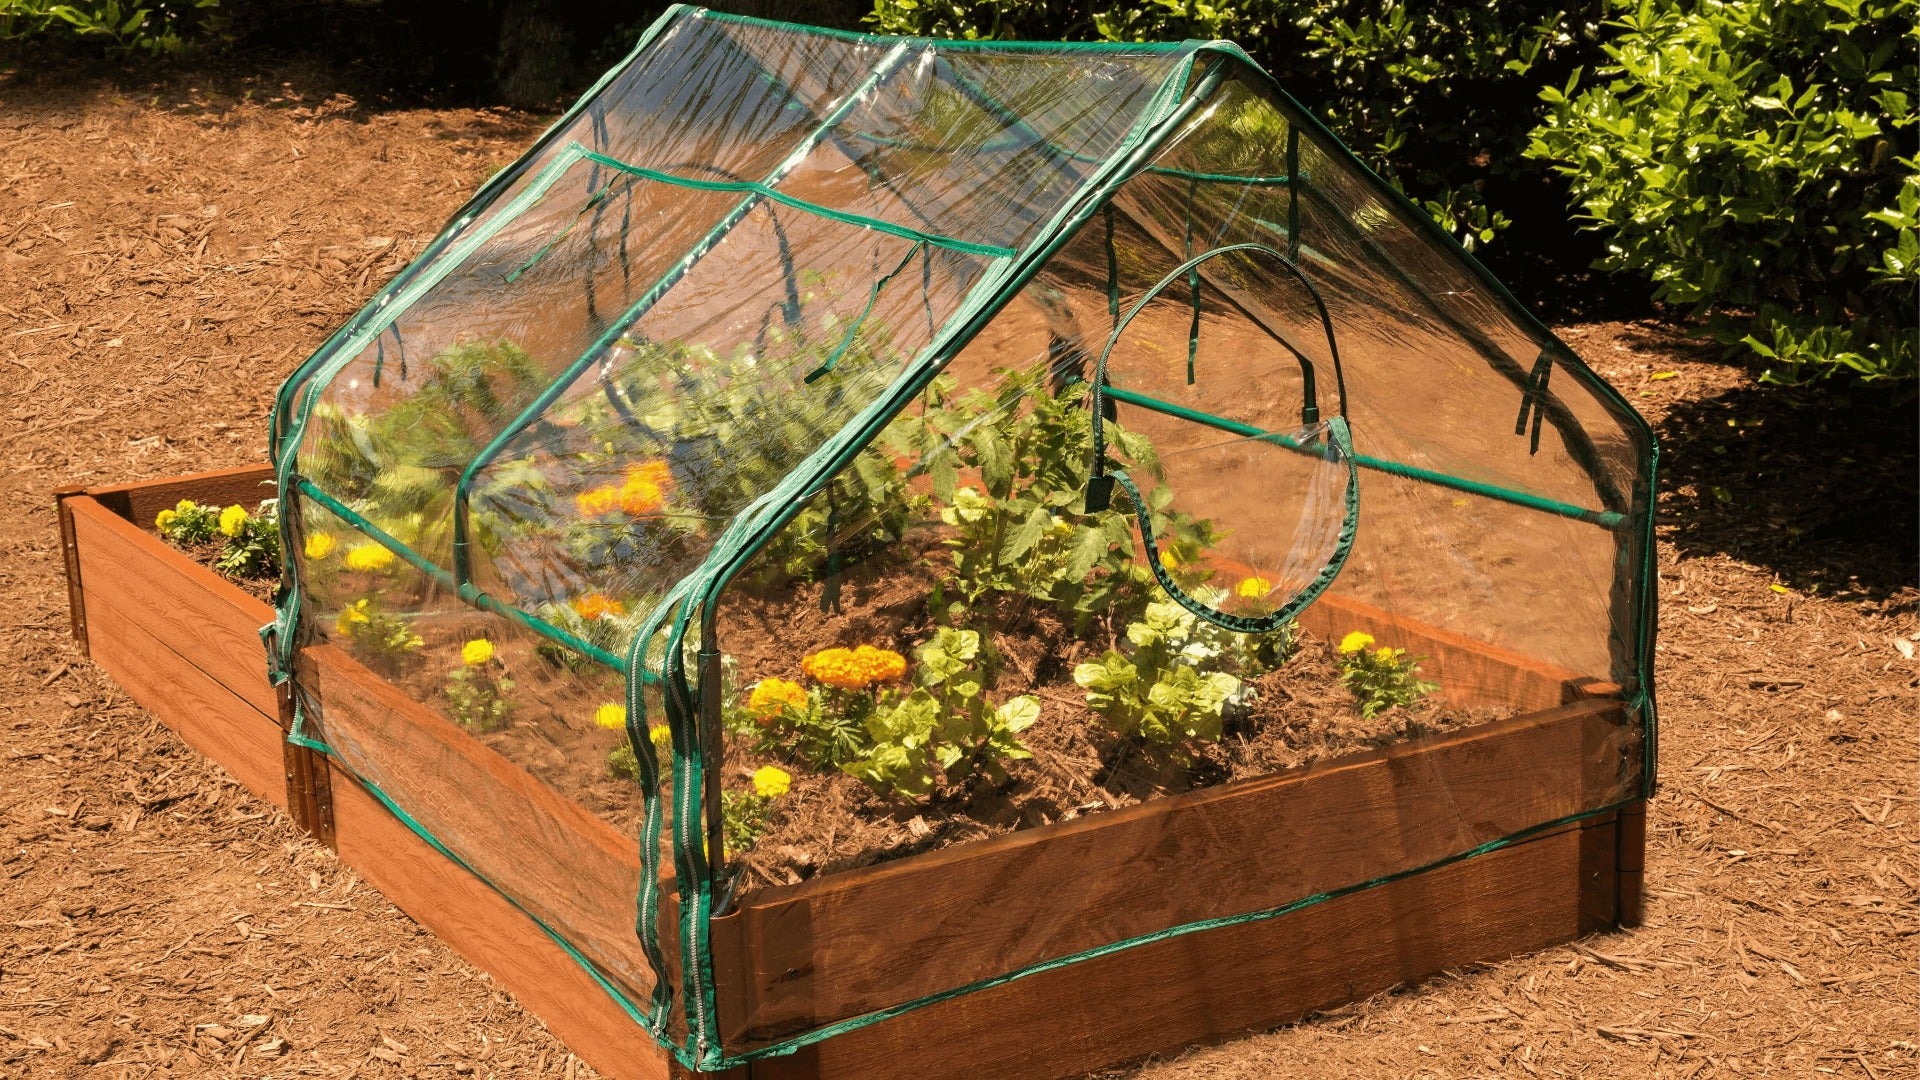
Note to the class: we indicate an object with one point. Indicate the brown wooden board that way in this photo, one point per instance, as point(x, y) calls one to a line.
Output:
point(207, 714)
point(70, 558)
point(204, 618)
point(1469, 672)
point(839, 946)
point(1221, 983)
point(140, 502)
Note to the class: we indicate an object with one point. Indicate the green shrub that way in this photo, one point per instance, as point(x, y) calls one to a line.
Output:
point(1438, 96)
point(1746, 156)
point(118, 27)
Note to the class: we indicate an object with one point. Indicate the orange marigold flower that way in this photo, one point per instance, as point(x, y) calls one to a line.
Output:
point(854, 669)
point(646, 488)
point(591, 606)
point(597, 503)
point(773, 697)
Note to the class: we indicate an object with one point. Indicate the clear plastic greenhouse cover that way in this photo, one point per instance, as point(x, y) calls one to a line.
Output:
point(820, 449)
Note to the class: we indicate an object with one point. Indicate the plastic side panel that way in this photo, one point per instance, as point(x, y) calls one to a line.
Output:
point(772, 342)
point(484, 927)
point(1227, 982)
point(497, 745)
point(838, 947)
point(981, 146)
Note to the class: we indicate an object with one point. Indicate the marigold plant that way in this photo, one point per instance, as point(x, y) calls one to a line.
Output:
point(1379, 678)
point(771, 698)
point(368, 557)
point(596, 605)
point(612, 716)
point(856, 668)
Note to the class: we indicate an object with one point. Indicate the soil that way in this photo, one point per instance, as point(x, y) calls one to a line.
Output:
point(1300, 713)
point(160, 922)
point(208, 553)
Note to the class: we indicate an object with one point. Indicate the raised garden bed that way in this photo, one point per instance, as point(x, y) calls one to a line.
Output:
point(182, 642)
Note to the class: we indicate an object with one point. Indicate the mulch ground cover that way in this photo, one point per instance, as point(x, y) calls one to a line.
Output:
point(170, 249)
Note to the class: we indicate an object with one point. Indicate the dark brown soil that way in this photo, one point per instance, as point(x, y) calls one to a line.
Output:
point(1301, 714)
point(209, 552)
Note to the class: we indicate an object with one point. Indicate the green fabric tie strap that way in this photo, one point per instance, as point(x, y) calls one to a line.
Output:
point(1533, 399)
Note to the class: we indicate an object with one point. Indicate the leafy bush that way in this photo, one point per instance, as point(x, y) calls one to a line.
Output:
point(120, 28)
point(1746, 157)
point(1437, 96)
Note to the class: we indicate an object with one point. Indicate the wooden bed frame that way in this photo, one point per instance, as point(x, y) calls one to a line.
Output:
point(183, 643)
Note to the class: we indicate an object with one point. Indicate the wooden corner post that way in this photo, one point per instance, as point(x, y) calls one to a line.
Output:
point(309, 783)
point(70, 556)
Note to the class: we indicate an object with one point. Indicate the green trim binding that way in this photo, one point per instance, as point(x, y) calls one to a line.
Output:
point(1606, 519)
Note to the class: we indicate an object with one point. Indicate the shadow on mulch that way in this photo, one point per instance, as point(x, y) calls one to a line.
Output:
point(1818, 485)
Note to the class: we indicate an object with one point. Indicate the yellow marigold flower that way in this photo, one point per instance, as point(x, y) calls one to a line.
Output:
point(591, 606)
point(319, 546)
point(854, 669)
point(1253, 588)
point(1383, 653)
point(772, 697)
point(1355, 642)
point(611, 716)
point(646, 488)
point(231, 519)
point(597, 503)
point(354, 614)
point(368, 557)
point(476, 652)
point(660, 736)
point(771, 782)
point(164, 519)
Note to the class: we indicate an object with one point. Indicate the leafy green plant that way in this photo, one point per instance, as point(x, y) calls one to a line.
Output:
point(1745, 158)
point(946, 727)
point(252, 541)
point(1024, 534)
point(188, 522)
point(477, 690)
point(1159, 694)
point(1183, 677)
point(119, 28)
point(381, 639)
point(1379, 678)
